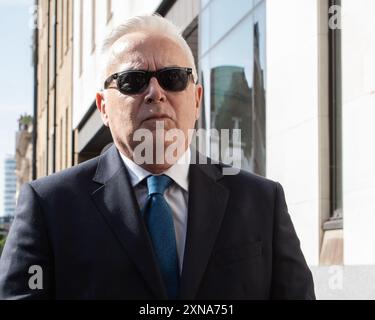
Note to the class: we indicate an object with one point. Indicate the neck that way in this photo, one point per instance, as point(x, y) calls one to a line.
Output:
point(158, 164)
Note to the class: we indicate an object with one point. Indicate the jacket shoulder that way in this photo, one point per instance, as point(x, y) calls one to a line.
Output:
point(67, 178)
point(244, 177)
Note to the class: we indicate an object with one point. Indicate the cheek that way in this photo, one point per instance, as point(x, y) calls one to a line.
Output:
point(122, 113)
point(121, 124)
point(186, 113)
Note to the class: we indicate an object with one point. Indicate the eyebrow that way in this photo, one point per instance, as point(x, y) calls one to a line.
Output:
point(132, 66)
point(135, 66)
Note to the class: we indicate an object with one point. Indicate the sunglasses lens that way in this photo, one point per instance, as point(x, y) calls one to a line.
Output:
point(174, 79)
point(131, 82)
point(134, 82)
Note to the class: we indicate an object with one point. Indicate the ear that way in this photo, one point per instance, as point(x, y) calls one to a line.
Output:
point(101, 105)
point(198, 100)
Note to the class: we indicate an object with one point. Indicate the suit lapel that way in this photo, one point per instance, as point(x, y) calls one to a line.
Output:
point(116, 201)
point(206, 208)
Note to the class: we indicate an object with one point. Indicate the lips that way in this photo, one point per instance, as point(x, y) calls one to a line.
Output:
point(159, 117)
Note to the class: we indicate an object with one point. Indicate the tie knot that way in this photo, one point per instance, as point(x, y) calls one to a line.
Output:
point(158, 184)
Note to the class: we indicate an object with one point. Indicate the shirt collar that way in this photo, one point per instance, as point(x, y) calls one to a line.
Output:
point(179, 172)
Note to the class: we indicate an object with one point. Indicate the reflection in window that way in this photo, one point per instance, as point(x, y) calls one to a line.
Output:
point(236, 104)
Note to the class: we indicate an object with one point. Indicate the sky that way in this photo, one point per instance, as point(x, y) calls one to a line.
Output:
point(16, 74)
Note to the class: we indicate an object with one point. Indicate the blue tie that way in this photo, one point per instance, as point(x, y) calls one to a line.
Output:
point(159, 221)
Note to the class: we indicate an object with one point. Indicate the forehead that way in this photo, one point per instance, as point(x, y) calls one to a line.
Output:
point(146, 51)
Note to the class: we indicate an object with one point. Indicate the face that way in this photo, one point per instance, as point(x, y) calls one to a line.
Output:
point(125, 114)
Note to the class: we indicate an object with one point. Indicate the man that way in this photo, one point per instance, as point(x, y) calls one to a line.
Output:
point(115, 227)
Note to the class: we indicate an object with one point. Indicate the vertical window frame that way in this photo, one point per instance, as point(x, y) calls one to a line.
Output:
point(81, 37)
point(335, 120)
point(109, 11)
point(93, 26)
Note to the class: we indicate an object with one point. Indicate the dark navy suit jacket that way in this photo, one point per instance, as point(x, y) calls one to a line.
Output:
point(83, 227)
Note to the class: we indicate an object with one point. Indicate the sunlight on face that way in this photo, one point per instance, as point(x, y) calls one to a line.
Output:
point(128, 113)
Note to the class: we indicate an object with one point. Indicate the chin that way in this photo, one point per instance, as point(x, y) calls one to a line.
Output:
point(156, 168)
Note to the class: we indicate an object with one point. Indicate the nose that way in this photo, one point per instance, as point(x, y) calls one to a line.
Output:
point(155, 93)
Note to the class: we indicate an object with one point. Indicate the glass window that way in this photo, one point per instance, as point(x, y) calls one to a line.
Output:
point(220, 16)
point(233, 72)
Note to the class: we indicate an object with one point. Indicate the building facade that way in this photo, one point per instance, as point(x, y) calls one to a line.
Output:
point(24, 151)
point(53, 103)
point(10, 182)
point(298, 80)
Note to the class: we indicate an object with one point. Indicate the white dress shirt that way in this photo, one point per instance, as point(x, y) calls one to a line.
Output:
point(176, 195)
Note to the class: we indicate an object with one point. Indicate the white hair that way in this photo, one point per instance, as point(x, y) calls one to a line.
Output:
point(145, 23)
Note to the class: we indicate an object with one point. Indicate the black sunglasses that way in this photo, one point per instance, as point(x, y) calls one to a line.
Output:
point(136, 81)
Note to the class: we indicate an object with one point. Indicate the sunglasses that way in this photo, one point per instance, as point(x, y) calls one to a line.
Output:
point(136, 81)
